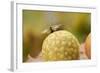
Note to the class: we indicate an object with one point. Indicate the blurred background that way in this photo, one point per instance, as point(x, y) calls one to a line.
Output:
point(36, 26)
